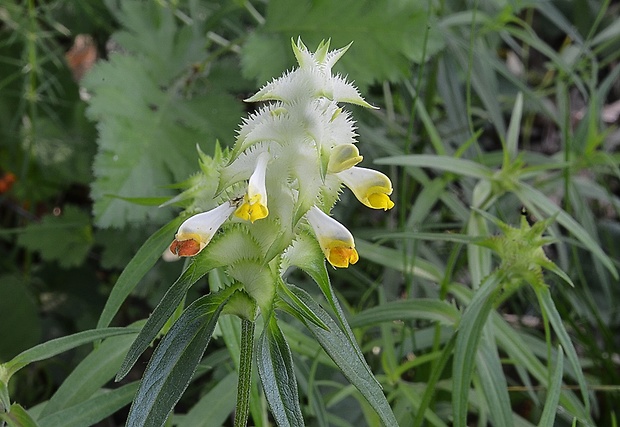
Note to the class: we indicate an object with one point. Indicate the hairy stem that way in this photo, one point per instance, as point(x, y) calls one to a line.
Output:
point(245, 373)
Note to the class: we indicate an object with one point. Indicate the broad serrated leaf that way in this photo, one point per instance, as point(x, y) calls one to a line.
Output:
point(93, 410)
point(174, 361)
point(65, 238)
point(387, 36)
point(149, 121)
point(338, 346)
point(275, 368)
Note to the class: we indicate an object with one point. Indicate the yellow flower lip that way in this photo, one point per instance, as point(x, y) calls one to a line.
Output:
point(335, 240)
point(370, 187)
point(340, 254)
point(197, 231)
point(254, 206)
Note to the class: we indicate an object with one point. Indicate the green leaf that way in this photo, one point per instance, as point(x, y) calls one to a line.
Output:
point(66, 238)
point(57, 346)
point(512, 138)
point(18, 417)
point(20, 327)
point(139, 265)
point(533, 200)
point(298, 308)
point(547, 419)
point(93, 372)
point(151, 112)
point(493, 380)
point(412, 309)
point(277, 374)
point(166, 307)
point(5, 400)
point(548, 307)
point(338, 346)
point(393, 258)
point(174, 361)
point(387, 37)
point(215, 407)
point(461, 167)
point(92, 410)
point(468, 337)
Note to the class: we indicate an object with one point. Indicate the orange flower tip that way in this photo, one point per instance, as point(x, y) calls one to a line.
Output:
point(185, 248)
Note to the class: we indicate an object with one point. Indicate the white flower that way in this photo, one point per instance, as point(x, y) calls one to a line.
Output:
point(343, 157)
point(371, 187)
point(254, 204)
point(197, 231)
point(335, 240)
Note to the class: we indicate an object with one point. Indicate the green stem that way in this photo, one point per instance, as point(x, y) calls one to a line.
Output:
point(245, 373)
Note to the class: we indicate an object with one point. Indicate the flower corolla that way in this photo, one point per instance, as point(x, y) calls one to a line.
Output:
point(293, 154)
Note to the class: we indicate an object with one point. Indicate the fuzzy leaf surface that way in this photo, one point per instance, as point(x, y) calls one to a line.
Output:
point(387, 36)
point(150, 117)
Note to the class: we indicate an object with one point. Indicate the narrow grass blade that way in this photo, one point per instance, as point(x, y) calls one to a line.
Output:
point(93, 410)
point(412, 309)
point(547, 419)
point(547, 304)
point(468, 337)
point(493, 380)
point(57, 346)
point(90, 375)
point(461, 167)
point(140, 264)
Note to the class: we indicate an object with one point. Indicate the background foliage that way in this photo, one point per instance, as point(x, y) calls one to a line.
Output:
point(485, 107)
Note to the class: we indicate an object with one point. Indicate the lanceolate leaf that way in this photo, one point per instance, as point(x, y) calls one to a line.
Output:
point(98, 368)
point(275, 367)
point(200, 266)
point(548, 306)
point(57, 346)
point(139, 265)
point(93, 410)
point(547, 419)
point(174, 361)
point(338, 346)
point(18, 417)
point(468, 336)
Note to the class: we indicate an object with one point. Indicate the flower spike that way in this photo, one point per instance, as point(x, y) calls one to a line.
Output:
point(371, 187)
point(335, 240)
point(254, 204)
point(197, 231)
